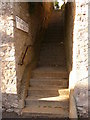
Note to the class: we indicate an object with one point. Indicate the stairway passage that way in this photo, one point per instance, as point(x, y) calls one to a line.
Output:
point(48, 94)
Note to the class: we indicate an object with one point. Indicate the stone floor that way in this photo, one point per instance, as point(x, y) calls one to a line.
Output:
point(12, 115)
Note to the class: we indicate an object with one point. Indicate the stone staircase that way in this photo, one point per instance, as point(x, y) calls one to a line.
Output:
point(48, 94)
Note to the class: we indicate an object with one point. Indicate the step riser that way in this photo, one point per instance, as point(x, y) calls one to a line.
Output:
point(51, 57)
point(50, 75)
point(43, 115)
point(53, 64)
point(48, 104)
point(57, 83)
point(52, 54)
point(44, 92)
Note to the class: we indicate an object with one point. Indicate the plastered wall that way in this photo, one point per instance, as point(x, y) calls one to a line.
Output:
point(15, 77)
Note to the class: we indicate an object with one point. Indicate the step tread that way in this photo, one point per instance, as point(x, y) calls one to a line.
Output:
point(48, 88)
point(50, 72)
point(48, 79)
point(48, 98)
point(49, 82)
point(46, 110)
point(50, 69)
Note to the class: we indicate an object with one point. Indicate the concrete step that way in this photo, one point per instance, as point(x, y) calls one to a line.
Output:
point(48, 72)
point(58, 82)
point(49, 112)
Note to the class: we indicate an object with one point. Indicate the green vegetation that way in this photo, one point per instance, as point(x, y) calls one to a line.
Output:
point(57, 4)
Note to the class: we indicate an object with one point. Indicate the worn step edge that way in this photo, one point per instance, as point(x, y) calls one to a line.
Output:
point(57, 104)
point(47, 87)
point(63, 82)
point(56, 112)
point(49, 75)
point(63, 90)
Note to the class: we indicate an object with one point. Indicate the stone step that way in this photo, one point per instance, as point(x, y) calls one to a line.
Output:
point(53, 33)
point(50, 40)
point(51, 65)
point(52, 57)
point(59, 46)
point(49, 112)
point(58, 82)
point(56, 53)
point(45, 72)
point(54, 44)
point(50, 60)
point(49, 100)
point(48, 91)
point(56, 36)
point(54, 48)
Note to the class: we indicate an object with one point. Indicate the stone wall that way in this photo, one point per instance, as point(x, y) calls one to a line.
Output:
point(14, 43)
point(77, 53)
point(89, 59)
point(81, 87)
point(7, 54)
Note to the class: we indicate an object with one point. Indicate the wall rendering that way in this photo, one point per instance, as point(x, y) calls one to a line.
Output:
point(20, 26)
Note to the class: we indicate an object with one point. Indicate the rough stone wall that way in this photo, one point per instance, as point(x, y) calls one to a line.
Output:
point(7, 54)
point(13, 44)
point(81, 87)
point(88, 59)
point(77, 53)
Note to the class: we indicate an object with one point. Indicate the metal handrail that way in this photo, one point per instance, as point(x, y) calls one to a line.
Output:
point(27, 46)
point(23, 55)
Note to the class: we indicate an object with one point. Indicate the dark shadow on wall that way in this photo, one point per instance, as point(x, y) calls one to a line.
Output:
point(15, 78)
point(69, 29)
